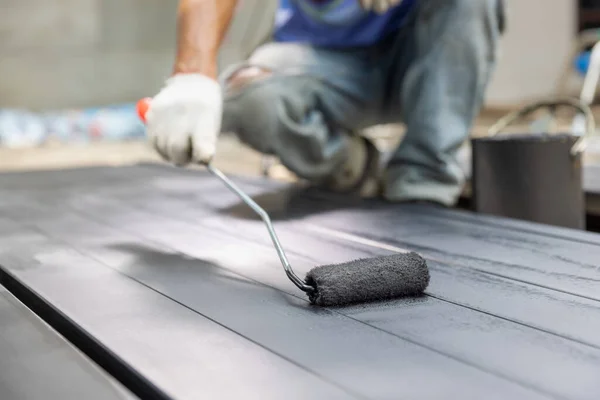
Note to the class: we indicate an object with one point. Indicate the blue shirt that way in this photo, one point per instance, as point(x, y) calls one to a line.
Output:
point(336, 23)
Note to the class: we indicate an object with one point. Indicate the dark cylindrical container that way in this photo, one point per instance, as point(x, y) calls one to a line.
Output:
point(533, 177)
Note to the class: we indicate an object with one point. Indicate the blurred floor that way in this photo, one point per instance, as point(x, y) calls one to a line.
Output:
point(232, 156)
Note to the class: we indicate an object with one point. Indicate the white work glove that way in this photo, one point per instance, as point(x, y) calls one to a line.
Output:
point(379, 6)
point(183, 120)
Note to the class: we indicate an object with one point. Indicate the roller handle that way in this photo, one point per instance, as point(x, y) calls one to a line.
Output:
point(142, 108)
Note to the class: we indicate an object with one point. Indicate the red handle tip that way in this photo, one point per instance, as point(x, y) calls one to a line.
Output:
point(142, 108)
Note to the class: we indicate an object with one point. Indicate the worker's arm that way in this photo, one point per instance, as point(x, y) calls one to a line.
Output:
point(184, 118)
point(201, 27)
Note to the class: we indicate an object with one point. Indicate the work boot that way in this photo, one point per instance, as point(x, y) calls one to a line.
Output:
point(360, 174)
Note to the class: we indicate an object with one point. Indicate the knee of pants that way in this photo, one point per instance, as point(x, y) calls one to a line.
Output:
point(251, 110)
point(281, 115)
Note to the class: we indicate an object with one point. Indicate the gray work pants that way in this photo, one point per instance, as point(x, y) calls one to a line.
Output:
point(431, 75)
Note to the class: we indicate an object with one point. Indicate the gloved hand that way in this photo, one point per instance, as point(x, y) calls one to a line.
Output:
point(378, 6)
point(183, 120)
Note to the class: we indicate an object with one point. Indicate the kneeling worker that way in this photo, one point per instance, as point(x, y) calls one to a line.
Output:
point(333, 68)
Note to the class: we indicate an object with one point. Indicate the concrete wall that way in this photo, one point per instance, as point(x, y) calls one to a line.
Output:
point(69, 53)
point(63, 53)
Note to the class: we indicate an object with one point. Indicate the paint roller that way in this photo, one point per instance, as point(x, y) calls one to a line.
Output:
point(357, 281)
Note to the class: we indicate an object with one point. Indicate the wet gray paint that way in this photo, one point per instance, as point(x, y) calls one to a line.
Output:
point(475, 335)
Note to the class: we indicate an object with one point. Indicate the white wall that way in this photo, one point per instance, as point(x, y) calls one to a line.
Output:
point(534, 50)
point(75, 53)
point(69, 53)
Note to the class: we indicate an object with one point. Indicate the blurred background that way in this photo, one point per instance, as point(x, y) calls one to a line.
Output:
point(72, 70)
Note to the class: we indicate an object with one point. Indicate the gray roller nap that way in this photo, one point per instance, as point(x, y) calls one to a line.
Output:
point(368, 279)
